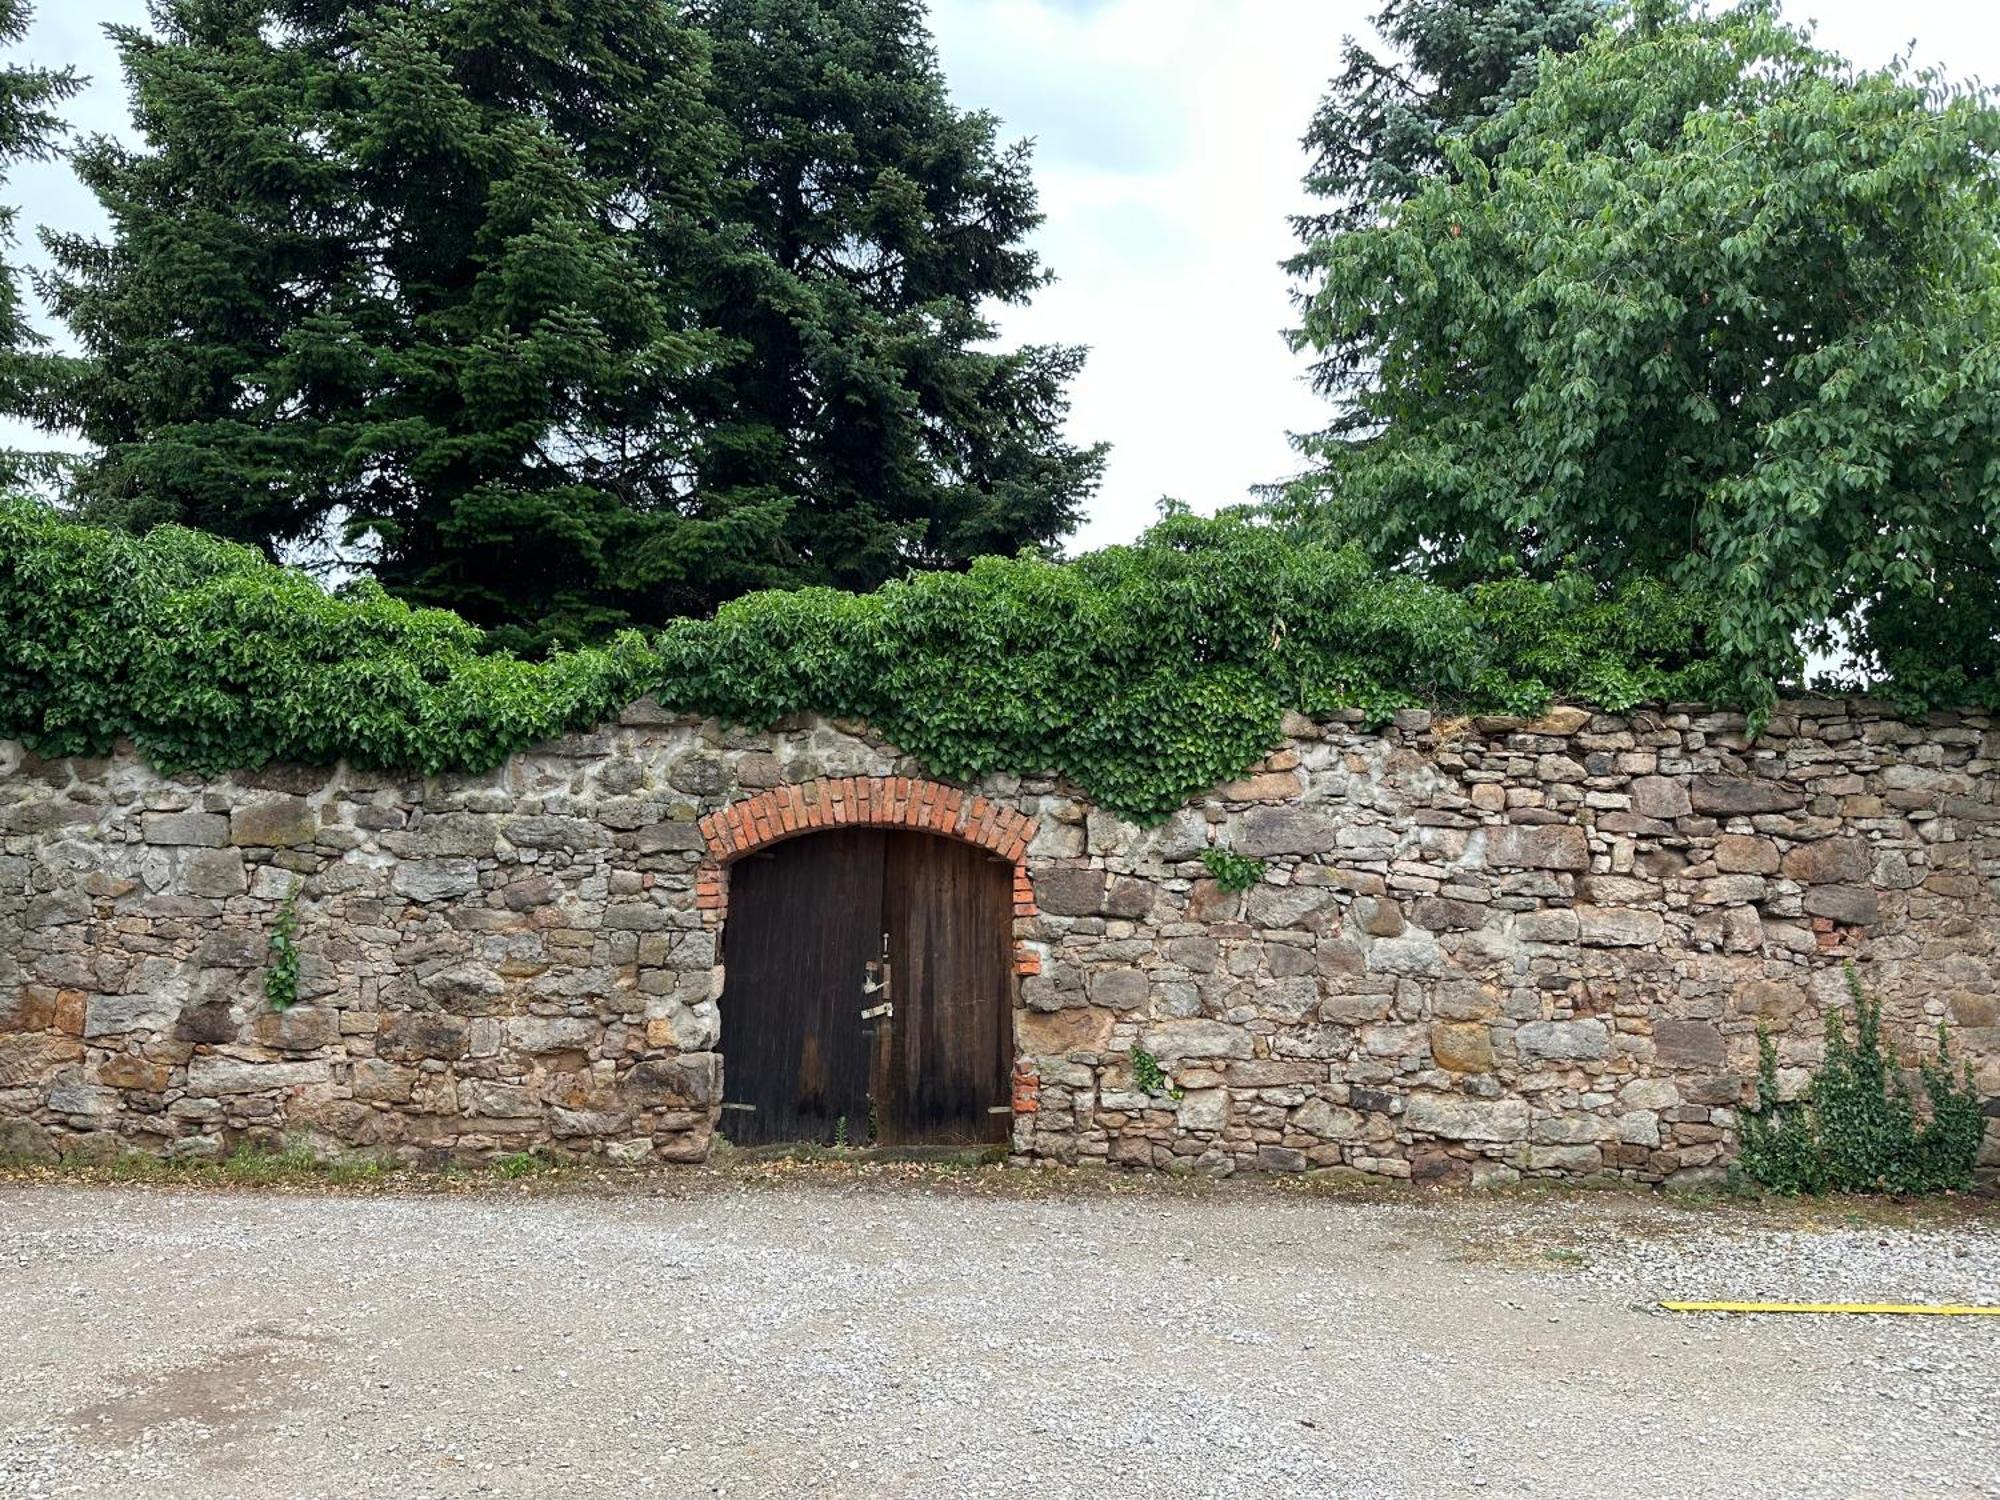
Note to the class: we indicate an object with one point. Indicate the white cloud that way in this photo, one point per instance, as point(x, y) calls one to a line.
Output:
point(1169, 273)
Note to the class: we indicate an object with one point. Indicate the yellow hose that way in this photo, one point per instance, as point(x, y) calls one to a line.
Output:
point(1925, 1309)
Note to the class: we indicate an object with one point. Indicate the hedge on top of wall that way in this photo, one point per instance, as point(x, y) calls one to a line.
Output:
point(1145, 673)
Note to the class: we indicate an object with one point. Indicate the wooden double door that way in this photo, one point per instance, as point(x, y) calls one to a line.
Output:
point(867, 991)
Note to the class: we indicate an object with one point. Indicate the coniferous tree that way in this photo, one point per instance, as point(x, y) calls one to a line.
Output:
point(29, 127)
point(376, 266)
point(582, 317)
point(862, 224)
point(1379, 134)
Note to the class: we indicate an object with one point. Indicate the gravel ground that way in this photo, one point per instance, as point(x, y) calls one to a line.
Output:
point(854, 1336)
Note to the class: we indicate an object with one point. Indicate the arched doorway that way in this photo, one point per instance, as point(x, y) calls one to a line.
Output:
point(868, 990)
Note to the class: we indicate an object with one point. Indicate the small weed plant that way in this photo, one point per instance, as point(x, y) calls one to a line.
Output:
point(518, 1164)
point(281, 974)
point(1149, 1076)
point(1857, 1128)
point(1233, 872)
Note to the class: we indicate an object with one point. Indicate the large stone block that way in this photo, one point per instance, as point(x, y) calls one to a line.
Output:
point(1310, 907)
point(1852, 905)
point(1444, 914)
point(202, 829)
point(110, 1015)
point(1834, 861)
point(498, 1101)
point(1563, 1041)
point(297, 1028)
point(1554, 925)
point(58, 909)
point(1330, 1122)
point(24, 1143)
point(1620, 927)
point(1265, 831)
point(468, 990)
point(637, 916)
point(208, 1021)
point(279, 823)
point(1688, 1044)
point(233, 948)
point(1725, 796)
point(578, 834)
point(1455, 1118)
point(1058, 1032)
point(1744, 854)
point(1414, 953)
point(1543, 846)
point(31, 1059)
point(1660, 797)
point(411, 1036)
point(552, 1033)
point(383, 1082)
point(1462, 1046)
point(690, 1081)
point(217, 1077)
point(1204, 1111)
point(435, 879)
point(73, 1094)
point(215, 873)
point(1118, 989)
point(1131, 899)
point(1175, 1041)
point(1070, 891)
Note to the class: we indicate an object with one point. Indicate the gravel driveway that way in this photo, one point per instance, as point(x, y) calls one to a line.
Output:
point(843, 1335)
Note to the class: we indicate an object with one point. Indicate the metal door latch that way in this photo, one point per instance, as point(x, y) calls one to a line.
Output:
point(883, 1011)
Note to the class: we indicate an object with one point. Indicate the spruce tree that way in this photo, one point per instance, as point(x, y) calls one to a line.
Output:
point(578, 317)
point(374, 268)
point(29, 127)
point(863, 225)
point(1379, 133)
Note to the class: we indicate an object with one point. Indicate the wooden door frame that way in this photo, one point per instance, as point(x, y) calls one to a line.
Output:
point(892, 802)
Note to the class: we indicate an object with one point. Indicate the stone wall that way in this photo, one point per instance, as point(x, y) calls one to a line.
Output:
point(1477, 950)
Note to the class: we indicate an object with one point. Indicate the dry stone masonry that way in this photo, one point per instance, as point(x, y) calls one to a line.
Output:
point(1478, 950)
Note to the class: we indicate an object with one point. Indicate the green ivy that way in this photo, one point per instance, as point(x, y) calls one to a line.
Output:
point(1857, 1129)
point(281, 974)
point(1143, 673)
point(1233, 872)
point(1150, 1077)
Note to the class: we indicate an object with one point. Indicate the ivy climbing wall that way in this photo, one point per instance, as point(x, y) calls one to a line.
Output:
point(1468, 950)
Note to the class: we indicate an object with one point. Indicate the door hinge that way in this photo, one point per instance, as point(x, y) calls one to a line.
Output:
point(882, 1012)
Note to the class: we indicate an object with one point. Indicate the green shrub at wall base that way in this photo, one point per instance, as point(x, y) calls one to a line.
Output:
point(1144, 673)
point(1858, 1130)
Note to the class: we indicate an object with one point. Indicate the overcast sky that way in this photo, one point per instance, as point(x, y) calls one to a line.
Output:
point(1167, 155)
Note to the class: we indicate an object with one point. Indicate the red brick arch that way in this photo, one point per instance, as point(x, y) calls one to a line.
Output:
point(865, 802)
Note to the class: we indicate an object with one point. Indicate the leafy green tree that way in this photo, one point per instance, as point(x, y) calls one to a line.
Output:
point(575, 329)
point(29, 128)
point(864, 225)
point(1721, 309)
point(1379, 134)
